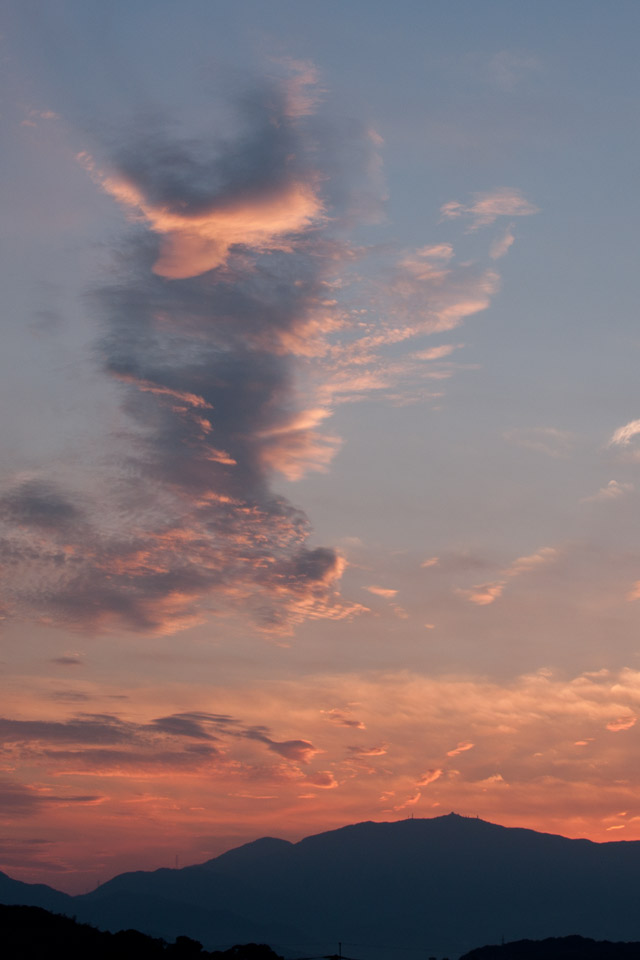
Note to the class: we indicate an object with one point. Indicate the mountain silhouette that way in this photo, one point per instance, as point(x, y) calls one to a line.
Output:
point(411, 888)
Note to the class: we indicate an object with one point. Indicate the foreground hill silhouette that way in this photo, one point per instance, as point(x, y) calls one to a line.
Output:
point(557, 948)
point(438, 887)
point(32, 933)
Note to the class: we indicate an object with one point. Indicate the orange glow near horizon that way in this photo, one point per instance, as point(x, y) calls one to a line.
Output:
point(240, 773)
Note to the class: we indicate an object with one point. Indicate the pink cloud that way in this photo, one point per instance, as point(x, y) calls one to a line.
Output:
point(462, 747)
point(488, 206)
point(621, 723)
point(387, 592)
point(430, 776)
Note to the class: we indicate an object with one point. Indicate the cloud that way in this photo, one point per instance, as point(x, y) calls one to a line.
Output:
point(502, 245)
point(228, 329)
point(462, 747)
point(410, 801)
point(613, 490)
point(364, 752)
point(253, 193)
point(37, 504)
point(343, 719)
point(484, 594)
point(508, 69)
point(221, 288)
point(430, 776)
point(532, 562)
point(323, 779)
point(547, 440)
point(85, 728)
point(622, 723)
point(623, 436)
point(487, 207)
point(387, 592)
point(431, 562)
point(17, 799)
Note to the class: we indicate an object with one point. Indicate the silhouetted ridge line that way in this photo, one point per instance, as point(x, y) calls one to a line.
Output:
point(438, 887)
point(32, 933)
point(557, 948)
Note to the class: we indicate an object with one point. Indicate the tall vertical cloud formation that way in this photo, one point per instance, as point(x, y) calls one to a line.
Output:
point(230, 348)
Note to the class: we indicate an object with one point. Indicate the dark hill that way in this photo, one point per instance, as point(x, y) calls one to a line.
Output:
point(413, 888)
point(31, 933)
point(557, 948)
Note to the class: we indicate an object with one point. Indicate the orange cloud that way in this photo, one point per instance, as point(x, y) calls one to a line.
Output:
point(462, 747)
point(295, 447)
point(430, 776)
point(483, 594)
point(622, 723)
point(194, 243)
point(387, 592)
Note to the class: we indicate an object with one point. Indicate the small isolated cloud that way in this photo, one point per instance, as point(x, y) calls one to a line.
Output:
point(634, 593)
point(486, 593)
point(532, 562)
point(502, 244)
point(363, 752)
point(493, 779)
point(409, 802)
point(622, 723)
point(462, 747)
point(343, 719)
point(437, 353)
point(387, 592)
point(429, 776)
point(547, 440)
point(483, 594)
point(486, 207)
point(323, 779)
point(431, 562)
point(31, 120)
point(508, 69)
point(611, 491)
point(67, 661)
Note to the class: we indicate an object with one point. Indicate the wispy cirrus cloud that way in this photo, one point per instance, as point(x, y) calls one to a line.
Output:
point(484, 594)
point(501, 245)
point(613, 490)
point(486, 207)
point(547, 440)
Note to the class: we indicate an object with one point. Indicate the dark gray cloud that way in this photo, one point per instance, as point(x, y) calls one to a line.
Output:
point(216, 294)
point(82, 729)
point(99, 741)
point(16, 799)
point(37, 503)
point(104, 760)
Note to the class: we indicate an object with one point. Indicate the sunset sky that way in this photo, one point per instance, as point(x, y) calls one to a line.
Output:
point(320, 423)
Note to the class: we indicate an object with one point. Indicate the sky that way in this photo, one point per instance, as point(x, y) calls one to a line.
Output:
point(320, 423)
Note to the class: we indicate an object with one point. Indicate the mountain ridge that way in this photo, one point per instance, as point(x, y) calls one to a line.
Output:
point(441, 884)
